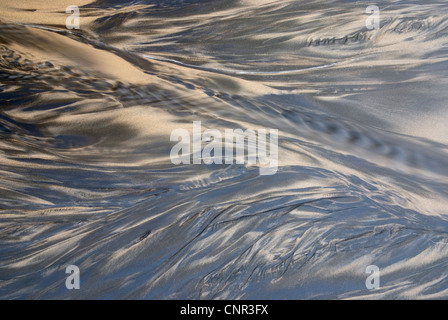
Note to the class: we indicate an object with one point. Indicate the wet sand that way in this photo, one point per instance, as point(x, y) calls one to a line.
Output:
point(86, 177)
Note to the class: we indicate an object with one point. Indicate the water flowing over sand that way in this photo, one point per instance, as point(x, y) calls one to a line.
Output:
point(86, 177)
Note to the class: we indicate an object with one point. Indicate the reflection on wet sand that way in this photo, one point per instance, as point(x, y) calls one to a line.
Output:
point(86, 176)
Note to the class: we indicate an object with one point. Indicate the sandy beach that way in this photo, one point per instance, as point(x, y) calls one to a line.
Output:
point(89, 118)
